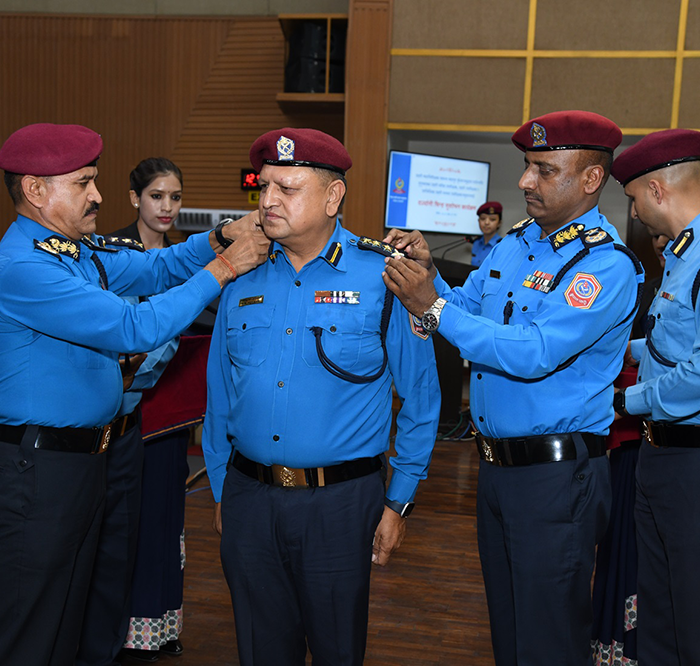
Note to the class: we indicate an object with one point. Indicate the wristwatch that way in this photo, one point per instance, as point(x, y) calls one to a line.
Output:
point(218, 232)
point(431, 317)
point(404, 510)
point(619, 403)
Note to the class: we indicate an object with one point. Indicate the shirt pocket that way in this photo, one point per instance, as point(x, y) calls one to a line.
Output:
point(248, 334)
point(490, 297)
point(342, 331)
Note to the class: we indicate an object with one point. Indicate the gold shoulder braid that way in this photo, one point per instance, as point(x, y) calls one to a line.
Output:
point(58, 245)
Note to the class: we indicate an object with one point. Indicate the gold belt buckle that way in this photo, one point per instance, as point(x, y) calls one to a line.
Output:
point(288, 477)
point(106, 436)
point(648, 434)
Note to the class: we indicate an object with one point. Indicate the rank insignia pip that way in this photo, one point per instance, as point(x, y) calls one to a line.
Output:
point(565, 236)
point(387, 250)
point(682, 242)
point(417, 327)
point(285, 149)
point(539, 135)
point(539, 281)
point(58, 245)
point(582, 291)
point(348, 297)
point(519, 227)
point(119, 241)
point(251, 300)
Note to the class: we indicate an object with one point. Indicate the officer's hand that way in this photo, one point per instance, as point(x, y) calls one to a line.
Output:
point(248, 252)
point(129, 368)
point(233, 230)
point(629, 361)
point(216, 523)
point(413, 245)
point(388, 536)
point(411, 283)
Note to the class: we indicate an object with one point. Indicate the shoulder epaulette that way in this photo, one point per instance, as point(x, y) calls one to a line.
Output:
point(98, 246)
point(520, 227)
point(58, 245)
point(121, 241)
point(596, 236)
point(365, 243)
point(565, 236)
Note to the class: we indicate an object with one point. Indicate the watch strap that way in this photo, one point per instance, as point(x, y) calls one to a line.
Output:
point(403, 509)
point(218, 232)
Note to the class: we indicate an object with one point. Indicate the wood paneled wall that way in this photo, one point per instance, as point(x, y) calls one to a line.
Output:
point(198, 91)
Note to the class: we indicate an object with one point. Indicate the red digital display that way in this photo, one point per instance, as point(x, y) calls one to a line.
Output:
point(249, 179)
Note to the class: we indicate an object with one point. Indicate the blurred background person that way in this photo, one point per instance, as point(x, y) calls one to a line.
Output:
point(490, 215)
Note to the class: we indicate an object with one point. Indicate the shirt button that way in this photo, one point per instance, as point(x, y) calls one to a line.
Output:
point(658, 316)
point(297, 283)
point(275, 438)
point(478, 376)
point(524, 308)
point(531, 257)
point(481, 419)
point(243, 327)
point(22, 463)
point(333, 329)
point(510, 293)
point(280, 384)
point(289, 331)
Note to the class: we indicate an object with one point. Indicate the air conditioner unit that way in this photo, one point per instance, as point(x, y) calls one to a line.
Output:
point(203, 219)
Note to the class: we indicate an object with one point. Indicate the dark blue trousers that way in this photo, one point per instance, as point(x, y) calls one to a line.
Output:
point(667, 514)
point(537, 529)
point(298, 563)
point(51, 506)
point(107, 611)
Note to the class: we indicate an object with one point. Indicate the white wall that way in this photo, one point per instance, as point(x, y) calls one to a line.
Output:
point(506, 168)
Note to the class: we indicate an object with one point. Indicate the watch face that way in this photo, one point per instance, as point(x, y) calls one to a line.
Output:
point(430, 322)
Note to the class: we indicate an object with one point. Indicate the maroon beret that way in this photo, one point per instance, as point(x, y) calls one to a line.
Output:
point(300, 147)
point(656, 151)
point(490, 208)
point(45, 149)
point(568, 130)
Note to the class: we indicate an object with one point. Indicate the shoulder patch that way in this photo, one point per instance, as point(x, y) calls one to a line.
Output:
point(365, 243)
point(522, 225)
point(596, 236)
point(582, 291)
point(565, 236)
point(682, 243)
point(417, 327)
point(58, 245)
point(121, 241)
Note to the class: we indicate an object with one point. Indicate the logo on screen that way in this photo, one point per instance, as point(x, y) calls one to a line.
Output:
point(398, 186)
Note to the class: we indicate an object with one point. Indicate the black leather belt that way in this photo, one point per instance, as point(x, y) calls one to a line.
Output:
point(662, 435)
point(518, 451)
point(71, 440)
point(310, 477)
point(124, 423)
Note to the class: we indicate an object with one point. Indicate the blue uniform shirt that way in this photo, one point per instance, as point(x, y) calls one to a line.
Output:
point(61, 333)
point(516, 386)
point(481, 250)
point(663, 392)
point(270, 397)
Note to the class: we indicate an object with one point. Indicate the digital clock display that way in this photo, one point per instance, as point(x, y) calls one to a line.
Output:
point(249, 179)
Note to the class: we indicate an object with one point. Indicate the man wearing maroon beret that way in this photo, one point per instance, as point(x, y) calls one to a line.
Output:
point(489, 215)
point(661, 177)
point(303, 355)
point(62, 329)
point(544, 322)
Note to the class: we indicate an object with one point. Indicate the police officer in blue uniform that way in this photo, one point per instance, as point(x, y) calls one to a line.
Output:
point(490, 215)
point(302, 359)
point(544, 322)
point(661, 176)
point(61, 332)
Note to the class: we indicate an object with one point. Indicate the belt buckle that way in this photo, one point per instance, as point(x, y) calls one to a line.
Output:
point(486, 449)
point(103, 443)
point(648, 434)
point(288, 477)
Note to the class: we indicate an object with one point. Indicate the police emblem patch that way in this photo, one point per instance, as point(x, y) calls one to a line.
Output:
point(285, 149)
point(538, 134)
point(417, 327)
point(582, 291)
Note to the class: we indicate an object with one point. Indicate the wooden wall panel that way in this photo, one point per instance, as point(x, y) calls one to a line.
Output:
point(195, 90)
point(456, 90)
point(689, 111)
point(607, 25)
point(692, 38)
point(366, 86)
point(460, 24)
point(633, 93)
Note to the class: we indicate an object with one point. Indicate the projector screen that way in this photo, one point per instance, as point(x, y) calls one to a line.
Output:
point(432, 193)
